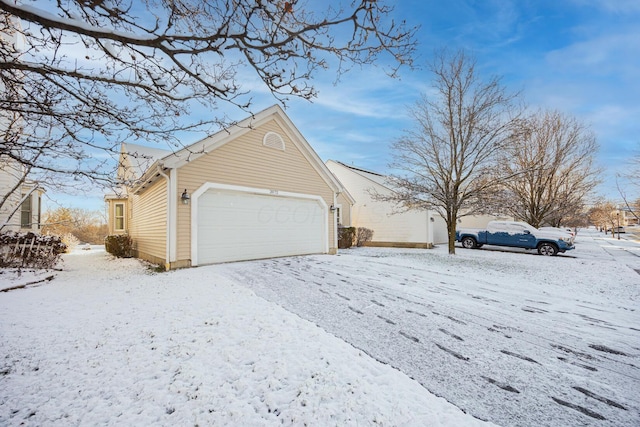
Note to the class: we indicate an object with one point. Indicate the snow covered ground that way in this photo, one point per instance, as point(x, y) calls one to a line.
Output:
point(109, 342)
point(513, 338)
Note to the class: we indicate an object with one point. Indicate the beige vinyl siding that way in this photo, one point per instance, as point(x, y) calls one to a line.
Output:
point(148, 222)
point(246, 162)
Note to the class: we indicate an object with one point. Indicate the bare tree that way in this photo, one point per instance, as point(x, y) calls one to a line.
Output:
point(631, 182)
point(86, 226)
point(604, 215)
point(445, 161)
point(84, 76)
point(550, 168)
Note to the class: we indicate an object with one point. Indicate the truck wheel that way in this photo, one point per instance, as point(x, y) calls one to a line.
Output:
point(469, 243)
point(547, 249)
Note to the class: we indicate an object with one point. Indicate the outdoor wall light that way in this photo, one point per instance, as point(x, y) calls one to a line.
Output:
point(332, 208)
point(185, 197)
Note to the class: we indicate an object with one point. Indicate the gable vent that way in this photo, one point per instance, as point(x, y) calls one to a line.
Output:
point(273, 140)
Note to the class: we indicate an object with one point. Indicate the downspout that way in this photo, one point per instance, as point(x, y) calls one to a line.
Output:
point(335, 222)
point(167, 260)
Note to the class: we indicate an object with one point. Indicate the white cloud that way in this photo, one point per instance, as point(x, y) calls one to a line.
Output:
point(613, 6)
point(617, 54)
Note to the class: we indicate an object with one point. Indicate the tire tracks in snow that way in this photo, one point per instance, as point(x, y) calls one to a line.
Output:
point(417, 313)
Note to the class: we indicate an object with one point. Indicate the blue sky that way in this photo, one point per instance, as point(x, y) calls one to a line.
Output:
point(581, 57)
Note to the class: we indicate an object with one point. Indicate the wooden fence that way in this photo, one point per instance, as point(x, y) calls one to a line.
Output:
point(30, 250)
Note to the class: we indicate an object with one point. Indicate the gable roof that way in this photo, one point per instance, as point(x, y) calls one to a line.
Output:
point(367, 174)
point(136, 159)
point(148, 160)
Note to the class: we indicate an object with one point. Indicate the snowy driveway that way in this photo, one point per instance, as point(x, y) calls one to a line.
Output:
point(514, 338)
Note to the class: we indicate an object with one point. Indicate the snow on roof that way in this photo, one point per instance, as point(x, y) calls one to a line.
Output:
point(139, 158)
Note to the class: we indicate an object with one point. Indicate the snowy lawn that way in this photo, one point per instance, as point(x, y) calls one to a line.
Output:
point(508, 336)
point(514, 338)
point(109, 342)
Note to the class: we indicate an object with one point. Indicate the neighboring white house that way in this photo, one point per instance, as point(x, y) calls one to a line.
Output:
point(19, 201)
point(21, 210)
point(416, 229)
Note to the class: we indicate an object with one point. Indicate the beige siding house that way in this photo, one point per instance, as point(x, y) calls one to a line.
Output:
point(256, 190)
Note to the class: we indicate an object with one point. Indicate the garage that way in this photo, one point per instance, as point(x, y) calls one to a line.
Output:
point(244, 224)
point(254, 190)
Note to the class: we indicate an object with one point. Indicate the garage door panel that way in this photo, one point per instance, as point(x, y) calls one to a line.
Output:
point(239, 226)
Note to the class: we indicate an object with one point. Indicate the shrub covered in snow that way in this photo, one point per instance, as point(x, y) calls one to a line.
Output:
point(29, 250)
point(118, 245)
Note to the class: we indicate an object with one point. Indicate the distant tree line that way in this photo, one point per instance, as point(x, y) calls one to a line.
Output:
point(75, 226)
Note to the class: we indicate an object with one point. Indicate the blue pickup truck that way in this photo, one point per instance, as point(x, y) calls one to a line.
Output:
point(518, 235)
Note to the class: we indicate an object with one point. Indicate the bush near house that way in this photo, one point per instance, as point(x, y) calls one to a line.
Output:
point(363, 235)
point(118, 245)
point(29, 250)
point(346, 236)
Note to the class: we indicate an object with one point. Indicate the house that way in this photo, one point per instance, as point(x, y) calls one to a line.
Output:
point(391, 227)
point(19, 197)
point(255, 190)
point(414, 229)
point(21, 206)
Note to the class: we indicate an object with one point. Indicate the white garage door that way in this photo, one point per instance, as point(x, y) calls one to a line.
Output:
point(235, 226)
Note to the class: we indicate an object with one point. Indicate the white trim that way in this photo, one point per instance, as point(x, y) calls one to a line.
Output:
point(115, 216)
point(241, 189)
point(173, 215)
point(167, 245)
point(335, 221)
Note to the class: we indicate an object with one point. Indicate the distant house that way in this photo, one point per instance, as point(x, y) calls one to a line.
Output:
point(21, 209)
point(391, 227)
point(255, 190)
point(416, 229)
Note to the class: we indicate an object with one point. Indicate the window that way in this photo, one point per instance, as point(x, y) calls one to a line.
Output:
point(38, 218)
point(338, 216)
point(273, 140)
point(25, 213)
point(119, 217)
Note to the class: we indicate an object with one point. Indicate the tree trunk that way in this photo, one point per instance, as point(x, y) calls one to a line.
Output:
point(451, 232)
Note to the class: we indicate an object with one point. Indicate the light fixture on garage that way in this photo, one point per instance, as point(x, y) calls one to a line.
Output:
point(332, 208)
point(185, 197)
